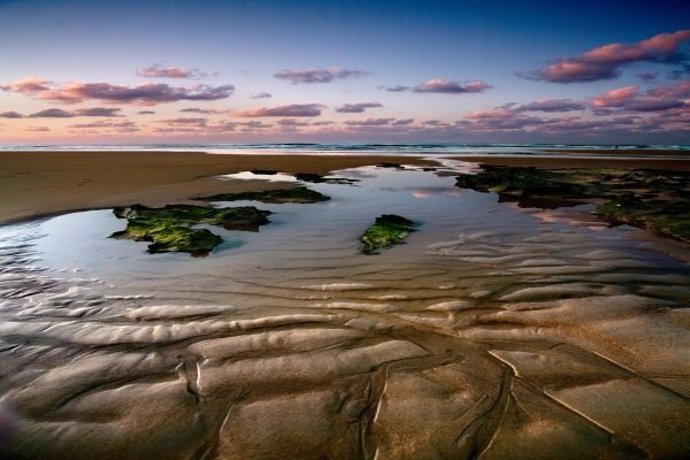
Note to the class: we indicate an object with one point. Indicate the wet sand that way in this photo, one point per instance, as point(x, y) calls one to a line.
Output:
point(44, 183)
point(494, 332)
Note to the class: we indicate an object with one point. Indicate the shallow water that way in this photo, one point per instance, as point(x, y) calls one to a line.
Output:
point(494, 332)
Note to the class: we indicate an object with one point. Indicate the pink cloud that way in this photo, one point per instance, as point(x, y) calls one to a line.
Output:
point(190, 121)
point(52, 113)
point(451, 87)
point(680, 90)
point(11, 114)
point(158, 71)
point(326, 75)
point(201, 111)
point(551, 105)
point(296, 125)
point(504, 118)
point(98, 112)
point(604, 62)
point(105, 124)
point(616, 97)
point(657, 99)
point(370, 122)
point(358, 107)
point(292, 110)
point(148, 94)
point(29, 85)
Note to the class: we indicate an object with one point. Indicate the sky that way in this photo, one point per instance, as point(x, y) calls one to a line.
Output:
point(491, 71)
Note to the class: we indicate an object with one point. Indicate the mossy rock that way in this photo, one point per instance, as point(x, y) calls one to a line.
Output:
point(665, 218)
point(519, 181)
point(279, 196)
point(657, 200)
point(316, 178)
point(169, 229)
point(387, 230)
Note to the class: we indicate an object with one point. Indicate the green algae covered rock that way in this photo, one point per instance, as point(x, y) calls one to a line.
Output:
point(656, 200)
point(387, 230)
point(519, 181)
point(286, 195)
point(665, 218)
point(169, 229)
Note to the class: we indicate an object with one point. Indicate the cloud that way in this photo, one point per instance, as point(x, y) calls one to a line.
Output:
point(52, 113)
point(551, 105)
point(326, 75)
point(680, 90)
point(261, 95)
point(105, 124)
point(158, 71)
point(254, 125)
point(651, 105)
point(504, 118)
point(403, 122)
point(38, 129)
point(29, 85)
point(451, 87)
point(370, 122)
point(98, 112)
point(604, 62)
point(442, 86)
point(11, 114)
point(615, 98)
point(628, 98)
point(146, 112)
point(395, 89)
point(358, 107)
point(200, 110)
point(148, 94)
point(293, 125)
point(292, 110)
point(59, 113)
point(190, 121)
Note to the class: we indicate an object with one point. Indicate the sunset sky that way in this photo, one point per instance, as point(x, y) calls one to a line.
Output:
point(202, 71)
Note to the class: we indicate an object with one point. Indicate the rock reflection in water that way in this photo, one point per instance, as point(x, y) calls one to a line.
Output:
point(493, 333)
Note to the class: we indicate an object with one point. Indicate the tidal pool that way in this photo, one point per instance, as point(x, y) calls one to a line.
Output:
point(493, 332)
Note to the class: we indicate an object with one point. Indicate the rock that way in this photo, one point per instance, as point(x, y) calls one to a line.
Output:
point(319, 179)
point(665, 218)
point(390, 165)
point(169, 228)
point(286, 195)
point(651, 199)
point(387, 230)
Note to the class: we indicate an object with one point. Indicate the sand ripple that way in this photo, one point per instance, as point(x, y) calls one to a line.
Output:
point(490, 345)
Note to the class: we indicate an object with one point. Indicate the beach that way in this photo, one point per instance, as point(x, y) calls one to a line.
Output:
point(44, 183)
point(511, 319)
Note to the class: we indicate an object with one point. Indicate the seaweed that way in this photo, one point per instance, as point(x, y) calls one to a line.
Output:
point(285, 195)
point(169, 229)
point(387, 230)
point(656, 200)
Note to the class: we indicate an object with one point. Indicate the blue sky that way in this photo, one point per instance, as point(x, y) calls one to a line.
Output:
point(458, 67)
